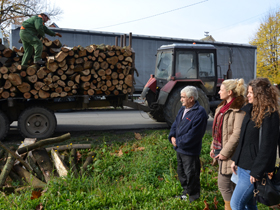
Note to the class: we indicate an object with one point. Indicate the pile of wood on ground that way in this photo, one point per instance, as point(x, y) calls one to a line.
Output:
point(91, 70)
point(32, 165)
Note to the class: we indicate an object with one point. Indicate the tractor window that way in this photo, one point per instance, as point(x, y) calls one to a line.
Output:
point(164, 65)
point(186, 65)
point(206, 65)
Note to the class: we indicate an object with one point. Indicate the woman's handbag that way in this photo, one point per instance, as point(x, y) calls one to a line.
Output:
point(267, 190)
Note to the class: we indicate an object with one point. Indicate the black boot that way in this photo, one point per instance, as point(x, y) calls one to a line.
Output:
point(40, 62)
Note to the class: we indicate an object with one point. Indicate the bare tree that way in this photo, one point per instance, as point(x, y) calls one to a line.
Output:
point(16, 11)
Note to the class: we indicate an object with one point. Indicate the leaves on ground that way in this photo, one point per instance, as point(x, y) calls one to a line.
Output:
point(36, 194)
point(39, 207)
point(78, 156)
point(206, 206)
point(216, 202)
point(138, 136)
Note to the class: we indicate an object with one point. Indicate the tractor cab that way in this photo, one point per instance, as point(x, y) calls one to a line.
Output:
point(179, 65)
point(187, 62)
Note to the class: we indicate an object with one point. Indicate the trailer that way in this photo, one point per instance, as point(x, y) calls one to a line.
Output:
point(36, 116)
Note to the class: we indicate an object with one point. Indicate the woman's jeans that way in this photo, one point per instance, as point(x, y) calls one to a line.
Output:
point(243, 196)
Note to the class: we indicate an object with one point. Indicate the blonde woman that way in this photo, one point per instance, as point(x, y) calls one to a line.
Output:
point(226, 130)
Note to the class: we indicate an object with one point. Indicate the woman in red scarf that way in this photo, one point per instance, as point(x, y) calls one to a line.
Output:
point(226, 130)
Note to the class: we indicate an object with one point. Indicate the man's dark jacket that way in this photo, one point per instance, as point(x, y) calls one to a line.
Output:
point(190, 130)
point(248, 154)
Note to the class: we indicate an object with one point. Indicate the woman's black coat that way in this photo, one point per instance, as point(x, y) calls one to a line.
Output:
point(249, 154)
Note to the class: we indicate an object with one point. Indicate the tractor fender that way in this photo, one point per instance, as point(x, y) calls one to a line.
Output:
point(150, 85)
point(167, 89)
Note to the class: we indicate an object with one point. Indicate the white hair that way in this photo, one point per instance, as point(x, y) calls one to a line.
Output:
point(190, 91)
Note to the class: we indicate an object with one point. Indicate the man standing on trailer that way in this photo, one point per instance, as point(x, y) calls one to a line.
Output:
point(30, 33)
point(186, 135)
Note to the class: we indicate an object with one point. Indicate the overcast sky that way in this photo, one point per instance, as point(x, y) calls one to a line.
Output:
point(233, 21)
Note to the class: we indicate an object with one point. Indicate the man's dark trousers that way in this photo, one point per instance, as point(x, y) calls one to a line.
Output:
point(188, 170)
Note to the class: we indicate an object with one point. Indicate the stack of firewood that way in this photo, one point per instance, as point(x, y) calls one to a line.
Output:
point(93, 70)
point(31, 164)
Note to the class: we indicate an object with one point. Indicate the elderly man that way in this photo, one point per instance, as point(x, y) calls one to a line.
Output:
point(186, 136)
point(30, 33)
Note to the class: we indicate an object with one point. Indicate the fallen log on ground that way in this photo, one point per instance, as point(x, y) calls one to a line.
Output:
point(68, 147)
point(6, 169)
point(44, 142)
point(16, 157)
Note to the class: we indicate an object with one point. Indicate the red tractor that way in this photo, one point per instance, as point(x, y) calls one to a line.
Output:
point(179, 65)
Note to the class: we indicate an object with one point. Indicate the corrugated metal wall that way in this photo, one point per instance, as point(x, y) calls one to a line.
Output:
point(145, 47)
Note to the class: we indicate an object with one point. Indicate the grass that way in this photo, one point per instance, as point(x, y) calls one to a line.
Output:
point(126, 174)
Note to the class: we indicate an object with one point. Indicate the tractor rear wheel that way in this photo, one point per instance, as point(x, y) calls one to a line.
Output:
point(174, 104)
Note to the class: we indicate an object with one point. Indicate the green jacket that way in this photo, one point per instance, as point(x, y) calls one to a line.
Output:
point(36, 26)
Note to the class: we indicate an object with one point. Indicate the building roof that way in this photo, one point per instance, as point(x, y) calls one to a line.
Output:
point(208, 39)
point(53, 25)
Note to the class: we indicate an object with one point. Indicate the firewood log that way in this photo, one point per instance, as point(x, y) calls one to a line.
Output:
point(7, 84)
point(50, 59)
point(32, 79)
point(7, 53)
point(114, 75)
point(62, 63)
point(31, 70)
point(15, 79)
point(6, 169)
point(96, 53)
point(85, 78)
point(52, 66)
point(57, 43)
point(88, 64)
point(101, 72)
point(4, 70)
point(128, 80)
point(96, 66)
point(27, 95)
point(61, 56)
point(43, 94)
point(115, 82)
point(38, 85)
point(113, 60)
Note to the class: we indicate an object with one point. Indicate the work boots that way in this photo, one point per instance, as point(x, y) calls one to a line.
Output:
point(40, 62)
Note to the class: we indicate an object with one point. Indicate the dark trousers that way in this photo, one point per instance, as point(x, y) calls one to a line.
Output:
point(188, 170)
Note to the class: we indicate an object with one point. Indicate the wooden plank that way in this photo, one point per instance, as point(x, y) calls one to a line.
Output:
point(30, 179)
point(59, 164)
point(43, 160)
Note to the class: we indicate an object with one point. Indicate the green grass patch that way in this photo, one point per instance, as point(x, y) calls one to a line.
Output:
point(126, 174)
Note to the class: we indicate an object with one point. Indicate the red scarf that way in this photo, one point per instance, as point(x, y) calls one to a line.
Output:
point(217, 126)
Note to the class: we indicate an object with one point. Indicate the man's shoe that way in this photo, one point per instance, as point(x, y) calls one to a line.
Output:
point(182, 197)
point(40, 62)
point(24, 67)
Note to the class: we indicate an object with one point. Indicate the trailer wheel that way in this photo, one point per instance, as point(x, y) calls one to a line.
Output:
point(37, 122)
point(5, 125)
point(174, 104)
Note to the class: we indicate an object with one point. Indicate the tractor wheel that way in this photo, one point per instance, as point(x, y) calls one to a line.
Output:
point(37, 122)
point(5, 125)
point(156, 115)
point(174, 104)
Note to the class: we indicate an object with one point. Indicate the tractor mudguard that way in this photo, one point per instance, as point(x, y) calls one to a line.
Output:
point(150, 85)
point(164, 92)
